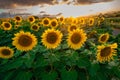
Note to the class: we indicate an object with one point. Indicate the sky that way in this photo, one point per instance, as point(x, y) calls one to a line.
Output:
point(66, 8)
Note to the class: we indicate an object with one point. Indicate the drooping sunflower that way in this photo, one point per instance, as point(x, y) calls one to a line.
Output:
point(6, 52)
point(76, 38)
point(72, 27)
point(46, 21)
point(18, 19)
point(106, 52)
point(24, 41)
point(53, 23)
point(103, 38)
point(91, 21)
point(31, 19)
point(35, 27)
point(6, 25)
point(51, 38)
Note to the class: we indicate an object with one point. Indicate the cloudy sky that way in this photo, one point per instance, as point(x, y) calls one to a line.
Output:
point(57, 7)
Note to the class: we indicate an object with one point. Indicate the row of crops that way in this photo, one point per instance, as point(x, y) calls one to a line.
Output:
point(72, 48)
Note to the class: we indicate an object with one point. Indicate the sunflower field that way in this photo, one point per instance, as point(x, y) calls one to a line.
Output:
point(72, 48)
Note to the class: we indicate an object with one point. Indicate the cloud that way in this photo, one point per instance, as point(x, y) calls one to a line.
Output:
point(83, 2)
point(14, 3)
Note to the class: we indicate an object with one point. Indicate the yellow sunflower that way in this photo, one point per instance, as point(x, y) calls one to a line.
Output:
point(31, 19)
point(54, 23)
point(82, 21)
point(6, 52)
point(76, 38)
point(103, 38)
point(72, 27)
point(35, 27)
point(18, 19)
point(91, 21)
point(61, 19)
point(24, 41)
point(6, 25)
point(46, 22)
point(51, 38)
point(16, 26)
point(106, 53)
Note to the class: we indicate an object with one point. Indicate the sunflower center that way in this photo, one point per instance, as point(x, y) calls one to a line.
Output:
point(31, 19)
point(46, 22)
point(53, 23)
point(105, 52)
point(103, 38)
point(7, 25)
point(75, 38)
point(72, 28)
point(34, 27)
point(18, 18)
point(61, 19)
point(25, 40)
point(6, 52)
point(52, 37)
point(91, 21)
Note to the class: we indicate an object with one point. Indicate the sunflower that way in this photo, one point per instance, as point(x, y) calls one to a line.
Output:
point(76, 38)
point(24, 41)
point(6, 25)
point(72, 27)
point(46, 22)
point(90, 21)
point(106, 52)
point(31, 19)
point(103, 38)
point(61, 19)
point(16, 26)
point(51, 38)
point(35, 27)
point(82, 21)
point(54, 23)
point(18, 19)
point(6, 52)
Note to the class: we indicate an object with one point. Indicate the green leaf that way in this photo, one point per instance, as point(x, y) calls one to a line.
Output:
point(94, 68)
point(83, 62)
point(22, 75)
point(69, 75)
point(11, 65)
point(28, 59)
point(49, 76)
point(116, 71)
point(40, 62)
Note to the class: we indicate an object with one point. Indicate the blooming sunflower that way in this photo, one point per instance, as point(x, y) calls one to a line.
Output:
point(106, 52)
point(46, 22)
point(76, 38)
point(82, 21)
point(35, 27)
point(6, 52)
point(24, 41)
point(61, 19)
point(54, 23)
point(103, 38)
point(72, 27)
point(51, 38)
point(6, 25)
point(18, 18)
point(31, 19)
point(90, 21)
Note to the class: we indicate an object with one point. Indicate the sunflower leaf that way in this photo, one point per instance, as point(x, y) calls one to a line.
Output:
point(49, 76)
point(69, 75)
